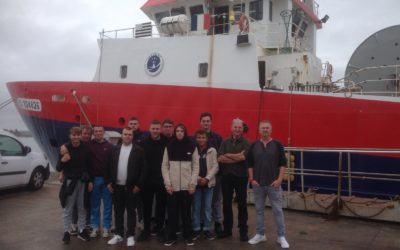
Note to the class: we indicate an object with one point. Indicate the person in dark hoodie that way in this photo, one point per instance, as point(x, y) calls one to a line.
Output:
point(180, 180)
point(154, 147)
point(74, 165)
point(125, 177)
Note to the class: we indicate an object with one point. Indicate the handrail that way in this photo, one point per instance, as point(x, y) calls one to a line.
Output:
point(351, 150)
point(340, 173)
point(346, 77)
point(273, 31)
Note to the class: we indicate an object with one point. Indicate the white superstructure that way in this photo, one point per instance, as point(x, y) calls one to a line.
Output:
point(200, 43)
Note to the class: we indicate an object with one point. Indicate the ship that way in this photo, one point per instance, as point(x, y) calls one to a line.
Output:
point(247, 59)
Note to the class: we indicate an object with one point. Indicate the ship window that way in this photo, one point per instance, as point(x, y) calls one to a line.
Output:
point(256, 10)
point(196, 10)
point(238, 10)
point(123, 71)
point(270, 11)
point(58, 98)
point(178, 11)
point(203, 69)
point(161, 15)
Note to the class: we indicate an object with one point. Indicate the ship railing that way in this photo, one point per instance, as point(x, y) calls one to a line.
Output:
point(128, 33)
point(351, 87)
point(344, 167)
point(269, 36)
point(314, 87)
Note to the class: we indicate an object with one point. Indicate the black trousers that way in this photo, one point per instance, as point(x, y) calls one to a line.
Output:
point(148, 193)
point(124, 198)
point(229, 184)
point(179, 204)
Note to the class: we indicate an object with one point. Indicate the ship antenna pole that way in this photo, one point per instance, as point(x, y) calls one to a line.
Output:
point(101, 54)
point(260, 104)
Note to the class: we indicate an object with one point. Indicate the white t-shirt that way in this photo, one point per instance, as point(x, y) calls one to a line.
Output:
point(122, 173)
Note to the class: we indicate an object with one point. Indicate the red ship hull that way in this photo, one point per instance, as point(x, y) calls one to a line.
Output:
point(299, 120)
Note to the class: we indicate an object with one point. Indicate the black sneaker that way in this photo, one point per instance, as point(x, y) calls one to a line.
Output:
point(196, 235)
point(169, 242)
point(189, 242)
point(244, 237)
point(66, 238)
point(225, 234)
point(145, 235)
point(161, 237)
point(84, 235)
point(209, 235)
point(155, 231)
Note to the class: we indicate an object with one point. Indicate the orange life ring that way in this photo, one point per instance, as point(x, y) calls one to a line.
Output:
point(244, 23)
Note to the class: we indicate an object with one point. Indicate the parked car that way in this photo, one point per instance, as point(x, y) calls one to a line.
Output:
point(19, 166)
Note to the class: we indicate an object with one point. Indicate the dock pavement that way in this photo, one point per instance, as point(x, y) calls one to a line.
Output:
point(31, 220)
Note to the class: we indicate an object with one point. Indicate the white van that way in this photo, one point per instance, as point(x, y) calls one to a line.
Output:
point(19, 166)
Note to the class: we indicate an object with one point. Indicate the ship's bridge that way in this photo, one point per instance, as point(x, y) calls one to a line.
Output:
point(276, 24)
point(238, 44)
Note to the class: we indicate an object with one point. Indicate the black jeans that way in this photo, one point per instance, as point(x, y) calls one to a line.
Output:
point(179, 203)
point(124, 198)
point(148, 194)
point(230, 183)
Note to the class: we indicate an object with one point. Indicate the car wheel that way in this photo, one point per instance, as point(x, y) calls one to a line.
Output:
point(37, 179)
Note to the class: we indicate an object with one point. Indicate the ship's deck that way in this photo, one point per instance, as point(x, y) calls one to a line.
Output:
point(32, 220)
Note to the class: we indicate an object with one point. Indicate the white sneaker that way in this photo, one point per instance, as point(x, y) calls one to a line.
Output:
point(130, 241)
point(106, 233)
point(257, 239)
point(94, 233)
point(114, 240)
point(283, 242)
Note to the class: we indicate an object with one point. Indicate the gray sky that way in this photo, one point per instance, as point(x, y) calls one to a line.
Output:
point(56, 39)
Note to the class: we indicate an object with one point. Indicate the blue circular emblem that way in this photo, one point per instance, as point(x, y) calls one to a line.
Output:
point(154, 64)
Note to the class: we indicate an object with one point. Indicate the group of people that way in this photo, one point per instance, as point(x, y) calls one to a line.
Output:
point(188, 177)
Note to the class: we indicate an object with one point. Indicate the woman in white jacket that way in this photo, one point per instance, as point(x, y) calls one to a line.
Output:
point(180, 180)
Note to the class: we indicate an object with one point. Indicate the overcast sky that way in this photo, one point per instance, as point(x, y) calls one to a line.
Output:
point(56, 39)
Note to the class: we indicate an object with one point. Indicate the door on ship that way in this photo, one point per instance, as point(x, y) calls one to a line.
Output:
point(221, 19)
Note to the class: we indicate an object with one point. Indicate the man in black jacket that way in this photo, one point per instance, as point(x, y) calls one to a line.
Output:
point(154, 147)
point(125, 176)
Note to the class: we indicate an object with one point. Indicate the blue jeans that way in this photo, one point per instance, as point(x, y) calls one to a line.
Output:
point(275, 197)
point(202, 195)
point(217, 201)
point(100, 191)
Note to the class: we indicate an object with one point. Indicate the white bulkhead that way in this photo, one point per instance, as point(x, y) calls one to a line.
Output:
point(201, 43)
